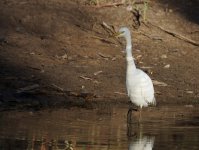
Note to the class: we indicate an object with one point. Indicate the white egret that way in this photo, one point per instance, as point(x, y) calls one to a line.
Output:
point(139, 85)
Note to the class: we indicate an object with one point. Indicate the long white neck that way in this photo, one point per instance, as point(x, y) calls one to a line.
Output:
point(129, 56)
point(128, 45)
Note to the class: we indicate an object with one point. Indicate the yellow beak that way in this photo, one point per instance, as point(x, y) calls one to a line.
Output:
point(118, 34)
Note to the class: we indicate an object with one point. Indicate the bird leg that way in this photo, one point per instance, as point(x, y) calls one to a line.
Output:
point(140, 116)
point(129, 114)
point(129, 121)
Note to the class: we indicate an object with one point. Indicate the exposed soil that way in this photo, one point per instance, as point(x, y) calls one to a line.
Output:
point(57, 53)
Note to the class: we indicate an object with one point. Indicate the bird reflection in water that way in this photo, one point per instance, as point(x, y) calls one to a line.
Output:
point(142, 143)
point(139, 141)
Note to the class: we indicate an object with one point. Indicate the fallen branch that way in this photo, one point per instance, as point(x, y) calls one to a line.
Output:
point(29, 88)
point(176, 35)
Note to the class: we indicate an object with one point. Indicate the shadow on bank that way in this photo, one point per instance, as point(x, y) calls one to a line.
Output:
point(188, 8)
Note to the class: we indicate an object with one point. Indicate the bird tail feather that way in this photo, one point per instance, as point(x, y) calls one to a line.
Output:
point(153, 102)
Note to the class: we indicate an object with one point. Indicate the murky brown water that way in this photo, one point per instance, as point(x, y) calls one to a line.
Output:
point(100, 129)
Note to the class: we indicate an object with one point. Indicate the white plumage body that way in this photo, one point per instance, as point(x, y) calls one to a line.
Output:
point(139, 86)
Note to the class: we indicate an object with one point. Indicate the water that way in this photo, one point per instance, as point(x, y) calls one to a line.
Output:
point(100, 129)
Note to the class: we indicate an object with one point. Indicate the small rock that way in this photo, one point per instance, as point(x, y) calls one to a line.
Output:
point(139, 56)
point(114, 58)
point(183, 52)
point(189, 106)
point(189, 92)
point(32, 53)
point(164, 56)
point(129, 8)
point(86, 57)
point(70, 58)
point(3, 40)
point(65, 56)
point(158, 92)
point(167, 66)
point(170, 10)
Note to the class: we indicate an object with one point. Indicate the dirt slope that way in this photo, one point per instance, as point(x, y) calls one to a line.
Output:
point(56, 52)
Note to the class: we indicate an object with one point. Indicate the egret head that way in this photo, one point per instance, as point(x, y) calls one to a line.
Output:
point(123, 32)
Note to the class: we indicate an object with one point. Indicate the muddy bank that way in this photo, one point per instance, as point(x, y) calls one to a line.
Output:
point(59, 54)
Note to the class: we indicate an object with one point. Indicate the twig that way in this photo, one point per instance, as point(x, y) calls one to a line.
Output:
point(98, 72)
point(151, 37)
point(35, 68)
point(120, 93)
point(57, 87)
point(110, 30)
point(176, 35)
point(107, 27)
point(103, 39)
point(28, 88)
point(86, 78)
point(159, 83)
point(146, 67)
point(104, 56)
